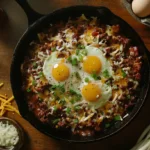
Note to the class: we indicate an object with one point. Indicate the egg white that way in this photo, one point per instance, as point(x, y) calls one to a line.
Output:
point(106, 93)
point(94, 51)
point(70, 83)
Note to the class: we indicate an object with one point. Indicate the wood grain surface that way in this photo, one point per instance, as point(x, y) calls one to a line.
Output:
point(15, 26)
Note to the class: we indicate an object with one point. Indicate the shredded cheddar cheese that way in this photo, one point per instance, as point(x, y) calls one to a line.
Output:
point(6, 104)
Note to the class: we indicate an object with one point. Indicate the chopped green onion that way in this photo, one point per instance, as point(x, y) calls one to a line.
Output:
point(33, 82)
point(108, 82)
point(53, 87)
point(86, 79)
point(68, 110)
point(69, 59)
point(62, 101)
point(77, 52)
point(78, 97)
point(115, 87)
point(55, 121)
point(80, 46)
point(84, 52)
point(77, 75)
point(75, 120)
point(95, 76)
point(55, 108)
point(72, 91)
point(28, 90)
point(128, 96)
point(40, 100)
point(55, 95)
point(123, 73)
point(80, 58)
point(53, 49)
point(106, 74)
point(77, 108)
point(107, 125)
point(34, 65)
point(74, 61)
point(61, 87)
point(41, 74)
point(117, 118)
point(72, 101)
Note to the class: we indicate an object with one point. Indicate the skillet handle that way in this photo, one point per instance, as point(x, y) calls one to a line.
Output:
point(31, 14)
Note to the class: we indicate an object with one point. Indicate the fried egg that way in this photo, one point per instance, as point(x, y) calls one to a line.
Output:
point(55, 69)
point(96, 94)
point(95, 62)
point(59, 71)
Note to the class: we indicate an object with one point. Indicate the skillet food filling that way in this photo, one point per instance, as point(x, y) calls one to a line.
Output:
point(81, 75)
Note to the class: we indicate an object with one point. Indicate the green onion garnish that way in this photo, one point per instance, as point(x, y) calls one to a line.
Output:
point(55, 108)
point(41, 74)
point(106, 74)
point(77, 108)
point(86, 79)
point(107, 125)
point(84, 52)
point(34, 65)
point(53, 87)
point(95, 76)
point(74, 61)
point(55, 121)
point(40, 100)
point(28, 90)
point(72, 101)
point(80, 46)
point(123, 73)
point(117, 118)
point(68, 110)
point(128, 96)
point(72, 91)
point(69, 59)
point(80, 58)
point(115, 87)
point(62, 101)
point(33, 82)
point(77, 52)
point(75, 120)
point(53, 49)
point(61, 87)
point(77, 75)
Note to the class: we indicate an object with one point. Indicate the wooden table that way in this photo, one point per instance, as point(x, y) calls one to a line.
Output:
point(13, 29)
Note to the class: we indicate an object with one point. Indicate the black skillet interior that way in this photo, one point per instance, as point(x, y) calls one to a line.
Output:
point(107, 17)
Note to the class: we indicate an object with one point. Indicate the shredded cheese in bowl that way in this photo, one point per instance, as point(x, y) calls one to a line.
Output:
point(9, 135)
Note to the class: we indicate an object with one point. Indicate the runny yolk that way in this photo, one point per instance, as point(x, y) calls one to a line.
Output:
point(92, 64)
point(91, 92)
point(60, 72)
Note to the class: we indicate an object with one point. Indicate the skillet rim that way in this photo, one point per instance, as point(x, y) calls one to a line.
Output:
point(40, 21)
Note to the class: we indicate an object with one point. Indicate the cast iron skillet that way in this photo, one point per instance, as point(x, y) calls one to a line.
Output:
point(63, 14)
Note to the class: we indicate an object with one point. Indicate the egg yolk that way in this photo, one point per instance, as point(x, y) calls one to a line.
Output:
point(91, 92)
point(92, 64)
point(60, 72)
